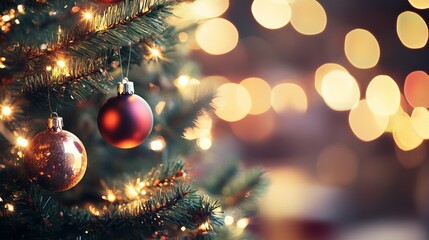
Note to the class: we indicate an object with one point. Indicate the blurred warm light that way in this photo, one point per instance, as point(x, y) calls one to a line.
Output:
point(9, 207)
point(87, 15)
point(6, 111)
point(416, 89)
point(419, 4)
point(361, 48)
point(289, 97)
point(420, 121)
point(22, 142)
point(215, 81)
point(383, 95)
point(201, 9)
point(155, 53)
point(242, 223)
point(232, 103)
point(366, 125)
point(337, 165)
point(182, 80)
point(204, 143)
point(229, 220)
point(308, 17)
point(110, 196)
point(412, 30)
point(183, 228)
point(340, 90)
point(217, 36)
point(321, 73)
point(131, 191)
point(159, 108)
point(158, 144)
point(304, 199)
point(254, 128)
point(48, 68)
point(260, 93)
point(210, 8)
point(404, 134)
point(271, 14)
point(61, 63)
point(412, 158)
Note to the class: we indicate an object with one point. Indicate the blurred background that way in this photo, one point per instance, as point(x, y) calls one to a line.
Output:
point(331, 98)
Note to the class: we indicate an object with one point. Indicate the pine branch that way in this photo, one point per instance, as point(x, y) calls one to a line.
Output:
point(221, 177)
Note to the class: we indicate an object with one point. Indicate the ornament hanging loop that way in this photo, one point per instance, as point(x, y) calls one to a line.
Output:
point(55, 123)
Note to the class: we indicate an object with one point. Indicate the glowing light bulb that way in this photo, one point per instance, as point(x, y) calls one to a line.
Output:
point(22, 142)
point(61, 63)
point(242, 223)
point(6, 111)
point(158, 144)
point(9, 207)
point(183, 229)
point(229, 220)
point(87, 15)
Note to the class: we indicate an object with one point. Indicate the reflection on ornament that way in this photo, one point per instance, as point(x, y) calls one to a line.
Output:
point(55, 159)
point(126, 120)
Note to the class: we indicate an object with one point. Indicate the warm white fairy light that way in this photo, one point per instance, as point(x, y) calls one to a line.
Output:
point(155, 53)
point(110, 196)
point(48, 68)
point(94, 210)
point(22, 142)
point(21, 8)
point(183, 80)
point(131, 191)
point(204, 227)
point(158, 144)
point(183, 228)
point(87, 15)
point(242, 223)
point(6, 111)
point(160, 107)
point(229, 220)
point(9, 207)
point(61, 63)
point(204, 143)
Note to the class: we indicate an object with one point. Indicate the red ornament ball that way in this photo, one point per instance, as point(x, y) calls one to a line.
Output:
point(110, 1)
point(55, 159)
point(125, 121)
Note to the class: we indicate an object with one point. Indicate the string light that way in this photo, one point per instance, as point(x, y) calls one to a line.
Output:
point(131, 191)
point(158, 144)
point(87, 15)
point(229, 220)
point(94, 211)
point(160, 107)
point(204, 227)
point(9, 207)
point(183, 228)
point(6, 111)
point(48, 68)
point(111, 197)
point(22, 142)
point(155, 53)
point(21, 8)
point(242, 223)
point(61, 63)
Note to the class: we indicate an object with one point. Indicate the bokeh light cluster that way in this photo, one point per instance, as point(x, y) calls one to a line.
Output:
point(275, 14)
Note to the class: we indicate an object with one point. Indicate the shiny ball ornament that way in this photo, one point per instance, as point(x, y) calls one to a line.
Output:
point(110, 1)
point(126, 120)
point(55, 159)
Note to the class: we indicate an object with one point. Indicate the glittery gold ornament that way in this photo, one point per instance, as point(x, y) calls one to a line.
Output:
point(55, 159)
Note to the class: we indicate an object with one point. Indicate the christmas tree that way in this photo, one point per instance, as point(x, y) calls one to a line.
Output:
point(64, 59)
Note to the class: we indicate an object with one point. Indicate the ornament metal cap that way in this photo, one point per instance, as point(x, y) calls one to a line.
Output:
point(125, 87)
point(55, 123)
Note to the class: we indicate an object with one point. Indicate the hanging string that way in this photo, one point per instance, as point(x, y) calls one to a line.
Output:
point(120, 62)
point(129, 60)
point(49, 101)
